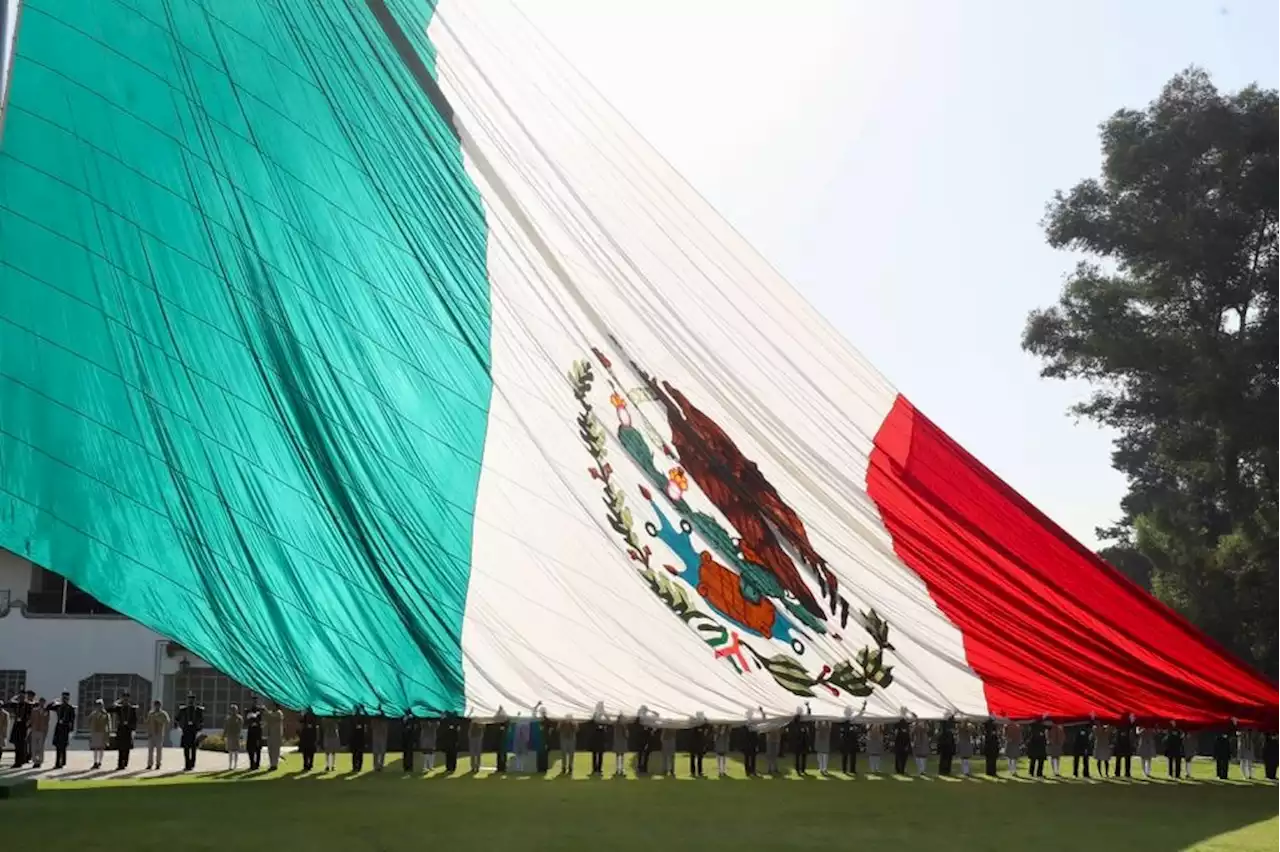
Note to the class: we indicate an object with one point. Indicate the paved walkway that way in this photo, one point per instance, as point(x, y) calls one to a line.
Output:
point(80, 761)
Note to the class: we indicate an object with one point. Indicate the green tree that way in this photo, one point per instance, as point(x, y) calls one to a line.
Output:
point(1172, 321)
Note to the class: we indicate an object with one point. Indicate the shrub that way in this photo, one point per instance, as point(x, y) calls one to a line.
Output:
point(212, 742)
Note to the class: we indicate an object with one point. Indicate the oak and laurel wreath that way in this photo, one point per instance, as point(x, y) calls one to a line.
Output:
point(858, 677)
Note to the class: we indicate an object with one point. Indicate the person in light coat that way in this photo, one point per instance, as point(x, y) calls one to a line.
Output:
point(964, 746)
point(158, 724)
point(822, 744)
point(38, 733)
point(274, 723)
point(1012, 745)
point(331, 741)
point(1057, 744)
point(1146, 749)
point(475, 743)
point(568, 730)
point(669, 752)
point(721, 746)
point(620, 732)
point(1102, 748)
point(875, 746)
point(378, 741)
point(920, 745)
point(99, 731)
point(231, 729)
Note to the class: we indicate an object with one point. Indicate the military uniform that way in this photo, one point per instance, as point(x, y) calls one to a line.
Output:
point(1222, 750)
point(126, 715)
point(21, 707)
point(1270, 756)
point(232, 728)
point(408, 739)
point(848, 734)
point(308, 738)
point(946, 746)
point(647, 737)
point(358, 738)
point(991, 745)
point(901, 746)
point(450, 734)
point(1037, 747)
point(99, 730)
point(39, 735)
point(801, 736)
point(501, 725)
point(158, 723)
point(697, 748)
point(274, 722)
point(599, 740)
point(190, 722)
point(1081, 749)
point(1124, 747)
point(1174, 742)
point(253, 736)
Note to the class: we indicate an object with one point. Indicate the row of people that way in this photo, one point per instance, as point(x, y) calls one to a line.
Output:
point(1041, 740)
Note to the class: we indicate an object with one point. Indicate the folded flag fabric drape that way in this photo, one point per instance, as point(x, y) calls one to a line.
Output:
point(362, 348)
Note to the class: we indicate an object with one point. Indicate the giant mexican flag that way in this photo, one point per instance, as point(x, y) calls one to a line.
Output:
point(361, 348)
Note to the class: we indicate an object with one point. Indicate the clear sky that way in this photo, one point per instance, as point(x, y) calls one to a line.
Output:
point(893, 160)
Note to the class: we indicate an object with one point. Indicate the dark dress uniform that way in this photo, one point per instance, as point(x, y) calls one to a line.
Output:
point(501, 727)
point(750, 748)
point(64, 722)
point(253, 736)
point(190, 720)
point(1081, 748)
point(408, 739)
point(1037, 748)
point(1222, 750)
point(1124, 747)
point(358, 738)
point(599, 739)
point(991, 745)
point(450, 733)
point(126, 723)
point(1270, 756)
point(901, 745)
point(802, 741)
point(850, 733)
point(648, 740)
point(308, 738)
point(697, 748)
point(542, 760)
point(1173, 745)
point(946, 746)
point(23, 705)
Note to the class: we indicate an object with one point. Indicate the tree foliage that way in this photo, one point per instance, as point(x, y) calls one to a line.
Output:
point(1172, 320)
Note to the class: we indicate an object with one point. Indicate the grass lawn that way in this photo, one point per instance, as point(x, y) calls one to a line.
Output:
point(486, 812)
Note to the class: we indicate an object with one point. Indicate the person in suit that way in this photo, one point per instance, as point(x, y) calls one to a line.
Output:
point(358, 737)
point(946, 744)
point(1124, 745)
point(273, 725)
point(190, 721)
point(901, 744)
point(849, 736)
point(64, 724)
point(158, 724)
point(991, 745)
point(697, 746)
point(1270, 755)
point(126, 717)
point(1173, 746)
point(308, 738)
point(408, 738)
point(750, 748)
point(801, 737)
point(1222, 744)
point(500, 725)
point(1037, 746)
point(450, 741)
point(231, 728)
point(599, 741)
point(253, 734)
point(1081, 749)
